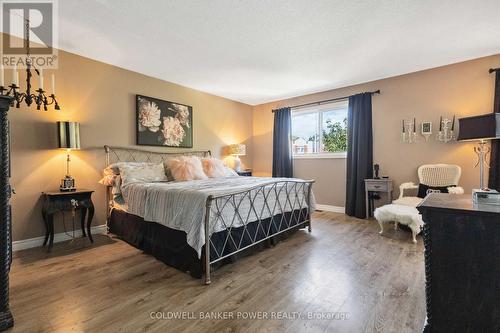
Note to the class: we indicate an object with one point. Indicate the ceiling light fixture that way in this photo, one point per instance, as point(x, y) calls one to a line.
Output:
point(38, 96)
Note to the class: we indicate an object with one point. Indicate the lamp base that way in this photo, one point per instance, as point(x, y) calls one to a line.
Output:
point(67, 184)
point(486, 197)
point(237, 164)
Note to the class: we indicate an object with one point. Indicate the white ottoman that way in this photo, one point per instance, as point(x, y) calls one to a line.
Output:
point(406, 215)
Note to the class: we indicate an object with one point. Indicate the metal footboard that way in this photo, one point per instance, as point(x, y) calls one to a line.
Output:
point(273, 208)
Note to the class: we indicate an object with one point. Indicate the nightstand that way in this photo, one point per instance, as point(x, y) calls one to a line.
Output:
point(377, 185)
point(56, 201)
point(246, 173)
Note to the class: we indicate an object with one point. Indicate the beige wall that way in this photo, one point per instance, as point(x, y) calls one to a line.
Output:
point(464, 89)
point(102, 98)
point(329, 175)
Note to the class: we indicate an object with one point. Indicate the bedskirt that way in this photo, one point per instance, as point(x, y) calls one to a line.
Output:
point(170, 246)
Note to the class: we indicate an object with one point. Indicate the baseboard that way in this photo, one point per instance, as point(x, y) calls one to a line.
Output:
point(330, 208)
point(61, 237)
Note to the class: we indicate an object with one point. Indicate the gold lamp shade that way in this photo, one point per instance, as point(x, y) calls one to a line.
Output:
point(237, 150)
point(68, 134)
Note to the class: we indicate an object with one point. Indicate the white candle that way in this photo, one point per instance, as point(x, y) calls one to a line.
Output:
point(2, 79)
point(15, 75)
point(40, 79)
point(53, 84)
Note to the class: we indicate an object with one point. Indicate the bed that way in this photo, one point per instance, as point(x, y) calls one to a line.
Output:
point(199, 225)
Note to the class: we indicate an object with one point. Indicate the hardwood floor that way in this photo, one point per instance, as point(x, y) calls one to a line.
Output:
point(344, 274)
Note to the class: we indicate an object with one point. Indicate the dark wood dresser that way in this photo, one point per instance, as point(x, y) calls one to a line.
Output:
point(462, 264)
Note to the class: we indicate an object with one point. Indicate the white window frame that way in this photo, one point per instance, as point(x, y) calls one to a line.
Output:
point(319, 109)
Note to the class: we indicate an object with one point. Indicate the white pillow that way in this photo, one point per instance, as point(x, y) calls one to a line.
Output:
point(115, 167)
point(144, 172)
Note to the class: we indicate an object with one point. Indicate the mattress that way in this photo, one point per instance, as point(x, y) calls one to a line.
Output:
point(182, 205)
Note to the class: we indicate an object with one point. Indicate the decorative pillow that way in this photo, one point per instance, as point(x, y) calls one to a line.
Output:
point(108, 180)
point(112, 179)
point(186, 168)
point(213, 167)
point(456, 190)
point(109, 177)
point(423, 189)
point(115, 167)
point(144, 172)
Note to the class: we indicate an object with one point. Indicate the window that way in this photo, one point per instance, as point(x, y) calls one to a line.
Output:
point(320, 131)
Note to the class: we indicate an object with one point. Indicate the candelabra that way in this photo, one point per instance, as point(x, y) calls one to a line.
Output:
point(38, 96)
point(446, 130)
point(409, 134)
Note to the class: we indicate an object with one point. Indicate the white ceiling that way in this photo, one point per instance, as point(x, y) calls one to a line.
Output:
point(256, 51)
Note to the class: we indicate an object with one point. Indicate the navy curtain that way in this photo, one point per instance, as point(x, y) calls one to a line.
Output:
point(494, 179)
point(282, 143)
point(359, 152)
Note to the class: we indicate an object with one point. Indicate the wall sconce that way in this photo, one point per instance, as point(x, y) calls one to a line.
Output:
point(409, 134)
point(426, 129)
point(446, 130)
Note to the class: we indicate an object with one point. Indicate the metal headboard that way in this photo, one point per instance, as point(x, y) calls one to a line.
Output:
point(123, 154)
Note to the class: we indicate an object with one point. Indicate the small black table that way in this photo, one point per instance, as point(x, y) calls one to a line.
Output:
point(57, 201)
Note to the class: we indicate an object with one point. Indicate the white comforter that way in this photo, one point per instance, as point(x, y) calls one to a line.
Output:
point(182, 205)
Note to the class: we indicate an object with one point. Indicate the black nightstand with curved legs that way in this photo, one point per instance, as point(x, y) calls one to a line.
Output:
point(57, 201)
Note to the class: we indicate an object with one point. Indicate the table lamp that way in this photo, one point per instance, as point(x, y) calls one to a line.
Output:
point(237, 150)
point(68, 134)
point(480, 128)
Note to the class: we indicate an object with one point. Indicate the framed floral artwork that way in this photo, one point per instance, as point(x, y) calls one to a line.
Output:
point(163, 123)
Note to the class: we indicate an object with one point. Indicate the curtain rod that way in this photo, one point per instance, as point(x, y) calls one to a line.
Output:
point(494, 70)
point(331, 100)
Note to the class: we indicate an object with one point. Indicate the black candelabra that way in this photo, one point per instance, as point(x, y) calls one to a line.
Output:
point(38, 96)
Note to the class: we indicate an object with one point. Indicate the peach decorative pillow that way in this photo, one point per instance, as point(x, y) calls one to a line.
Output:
point(109, 177)
point(213, 167)
point(186, 168)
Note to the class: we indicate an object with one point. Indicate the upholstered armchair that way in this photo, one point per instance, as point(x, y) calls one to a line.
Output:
point(432, 177)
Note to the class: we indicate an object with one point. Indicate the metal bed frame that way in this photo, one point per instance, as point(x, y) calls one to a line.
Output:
point(297, 194)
